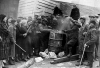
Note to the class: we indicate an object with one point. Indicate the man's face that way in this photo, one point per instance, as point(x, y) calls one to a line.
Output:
point(91, 25)
point(29, 18)
point(58, 16)
point(36, 17)
point(82, 21)
point(5, 19)
point(91, 18)
point(18, 20)
point(9, 20)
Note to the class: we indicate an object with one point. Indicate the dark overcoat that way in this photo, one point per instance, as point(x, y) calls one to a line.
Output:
point(82, 36)
point(75, 13)
point(5, 42)
point(91, 39)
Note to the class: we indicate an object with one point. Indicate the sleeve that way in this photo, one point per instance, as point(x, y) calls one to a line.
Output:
point(72, 12)
point(12, 40)
point(75, 28)
point(86, 28)
point(93, 38)
point(78, 12)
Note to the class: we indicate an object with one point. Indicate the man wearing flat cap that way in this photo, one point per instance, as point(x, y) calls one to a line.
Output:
point(98, 18)
point(82, 32)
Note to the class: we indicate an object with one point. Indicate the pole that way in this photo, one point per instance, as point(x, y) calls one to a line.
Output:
point(83, 50)
point(20, 47)
point(14, 40)
point(82, 56)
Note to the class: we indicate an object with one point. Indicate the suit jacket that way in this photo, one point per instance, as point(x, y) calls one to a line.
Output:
point(12, 29)
point(90, 40)
point(73, 32)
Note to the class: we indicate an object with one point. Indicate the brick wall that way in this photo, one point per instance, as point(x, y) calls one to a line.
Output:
point(9, 7)
point(31, 7)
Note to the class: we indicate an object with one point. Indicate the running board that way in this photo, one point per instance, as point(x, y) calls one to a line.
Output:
point(65, 59)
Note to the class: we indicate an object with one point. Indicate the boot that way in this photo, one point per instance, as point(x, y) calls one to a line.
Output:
point(70, 52)
point(16, 58)
point(24, 58)
point(36, 53)
point(20, 57)
point(31, 55)
point(5, 62)
point(11, 61)
point(28, 57)
point(79, 64)
point(5, 67)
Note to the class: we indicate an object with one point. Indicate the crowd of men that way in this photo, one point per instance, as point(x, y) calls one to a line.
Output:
point(22, 38)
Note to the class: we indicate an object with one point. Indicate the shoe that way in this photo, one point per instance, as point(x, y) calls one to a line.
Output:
point(5, 67)
point(11, 62)
point(28, 57)
point(88, 65)
point(6, 63)
point(24, 59)
point(79, 64)
point(36, 54)
point(31, 55)
point(17, 60)
point(78, 60)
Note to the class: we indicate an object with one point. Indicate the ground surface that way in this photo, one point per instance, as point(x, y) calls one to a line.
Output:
point(46, 64)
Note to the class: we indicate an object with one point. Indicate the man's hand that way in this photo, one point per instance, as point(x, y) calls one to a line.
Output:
point(14, 41)
point(84, 33)
point(38, 32)
point(25, 34)
point(85, 45)
point(0, 38)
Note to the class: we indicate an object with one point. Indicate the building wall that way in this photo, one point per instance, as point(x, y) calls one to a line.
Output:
point(31, 7)
point(84, 10)
point(9, 7)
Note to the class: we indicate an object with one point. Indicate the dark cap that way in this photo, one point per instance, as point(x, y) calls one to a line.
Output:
point(93, 22)
point(98, 14)
point(13, 21)
point(91, 16)
point(82, 17)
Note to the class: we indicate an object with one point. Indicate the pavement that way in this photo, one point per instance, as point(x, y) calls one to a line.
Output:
point(45, 63)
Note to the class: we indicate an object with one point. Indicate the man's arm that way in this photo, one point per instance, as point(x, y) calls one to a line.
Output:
point(93, 38)
point(43, 29)
point(75, 28)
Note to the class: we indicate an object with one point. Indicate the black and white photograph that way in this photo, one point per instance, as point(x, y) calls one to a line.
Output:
point(49, 33)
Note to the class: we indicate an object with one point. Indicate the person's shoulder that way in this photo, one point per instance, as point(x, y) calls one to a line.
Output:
point(94, 30)
point(68, 18)
point(86, 25)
